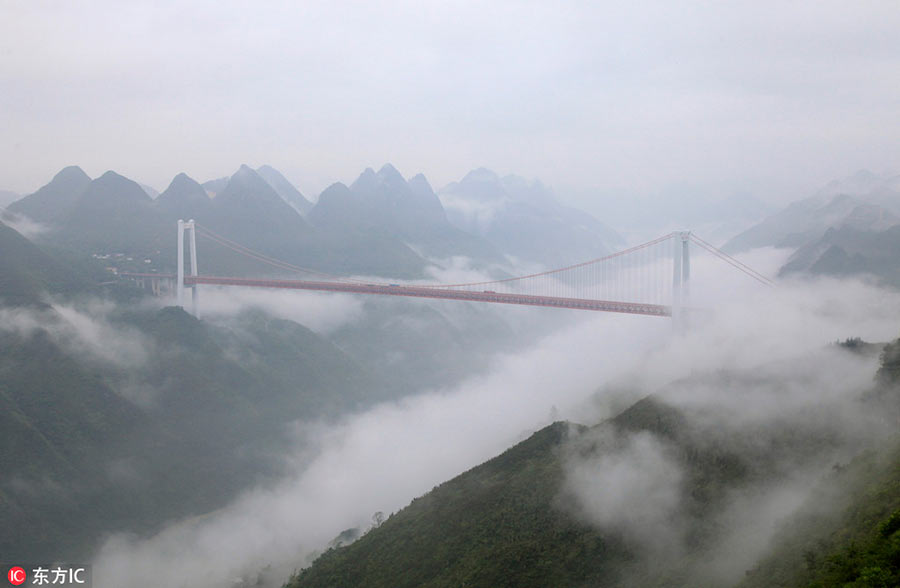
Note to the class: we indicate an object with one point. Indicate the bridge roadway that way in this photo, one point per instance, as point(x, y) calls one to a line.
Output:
point(425, 292)
point(441, 293)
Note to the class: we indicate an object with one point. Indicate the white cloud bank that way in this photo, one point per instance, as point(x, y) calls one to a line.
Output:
point(381, 459)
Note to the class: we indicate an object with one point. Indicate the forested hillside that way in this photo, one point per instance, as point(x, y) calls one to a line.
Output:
point(520, 519)
point(848, 532)
point(172, 425)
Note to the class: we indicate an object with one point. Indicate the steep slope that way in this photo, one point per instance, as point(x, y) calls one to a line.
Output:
point(52, 203)
point(806, 221)
point(113, 214)
point(213, 187)
point(285, 189)
point(847, 534)
point(249, 211)
point(385, 206)
point(848, 531)
point(521, 518)
point(390, 202)
point(439, 237)
point(489, 527)
point(864, 201)
point(184, 199)
point(336, 208)
point(57, 420)
point(881, 190)
point(111, 222)
point(354, 248)
point(848, 251)
point(152, 192)
point(114, 220)
point(26, 271)
point(7, 197)
point(523, 219)
point(90, 447)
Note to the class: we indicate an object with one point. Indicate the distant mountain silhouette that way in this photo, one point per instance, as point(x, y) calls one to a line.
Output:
point(850, 251)
point(868, 186)
point(523, 219)
point(213, 187)
point(382, 224)
point(53, 202)
point(386, 205)
point(113, 214)
point(285, 189)
point(149, 190)
point(7, 197)
point(249, 211)
point(386, 200)
point(392, 202)
point(337, 208)
point(184, 198)
point(807, 220)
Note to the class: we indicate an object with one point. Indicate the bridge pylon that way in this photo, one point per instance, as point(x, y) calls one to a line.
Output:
point(186, 226)
point(681, 276)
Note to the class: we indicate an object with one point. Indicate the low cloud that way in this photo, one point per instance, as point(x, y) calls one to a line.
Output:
point(787, 423)
point(756, 378)
point(375, 461)
point(381, 459)
point(83, 330)
point(321, 312)
point(470, 214)
point(22, 224)
point(632, 485)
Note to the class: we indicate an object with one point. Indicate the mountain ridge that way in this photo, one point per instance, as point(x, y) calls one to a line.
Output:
point(524, 220)
point(54, 201)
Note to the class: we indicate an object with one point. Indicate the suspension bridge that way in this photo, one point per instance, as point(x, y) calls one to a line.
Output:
point(651, 279)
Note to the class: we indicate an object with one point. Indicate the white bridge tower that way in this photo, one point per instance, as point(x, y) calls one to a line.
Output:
point(681, 275)
point(179, 281)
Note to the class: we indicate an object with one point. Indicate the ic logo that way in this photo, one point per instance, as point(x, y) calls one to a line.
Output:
point(16, 576)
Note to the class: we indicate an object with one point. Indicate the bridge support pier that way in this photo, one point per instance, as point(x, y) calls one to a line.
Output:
point(681, 275)
point(188, 226)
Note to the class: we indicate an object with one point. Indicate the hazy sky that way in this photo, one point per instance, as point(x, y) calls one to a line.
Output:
point(777, 97)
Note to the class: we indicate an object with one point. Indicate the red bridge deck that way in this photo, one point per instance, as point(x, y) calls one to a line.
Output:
point(445, 294)
point(427, 292)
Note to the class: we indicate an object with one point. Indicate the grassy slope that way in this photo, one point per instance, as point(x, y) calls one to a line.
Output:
point(502, 524)
point(488, 527)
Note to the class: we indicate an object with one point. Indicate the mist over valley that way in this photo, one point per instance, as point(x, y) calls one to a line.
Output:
point(450, 295)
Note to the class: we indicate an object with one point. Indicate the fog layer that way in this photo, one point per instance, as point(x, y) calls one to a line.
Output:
point(381, 459)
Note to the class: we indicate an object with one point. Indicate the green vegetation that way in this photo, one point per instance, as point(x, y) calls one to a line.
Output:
point(27, 271)
point(846, 534)
point(488, 527)
point(88, 446)
point(512, 521)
